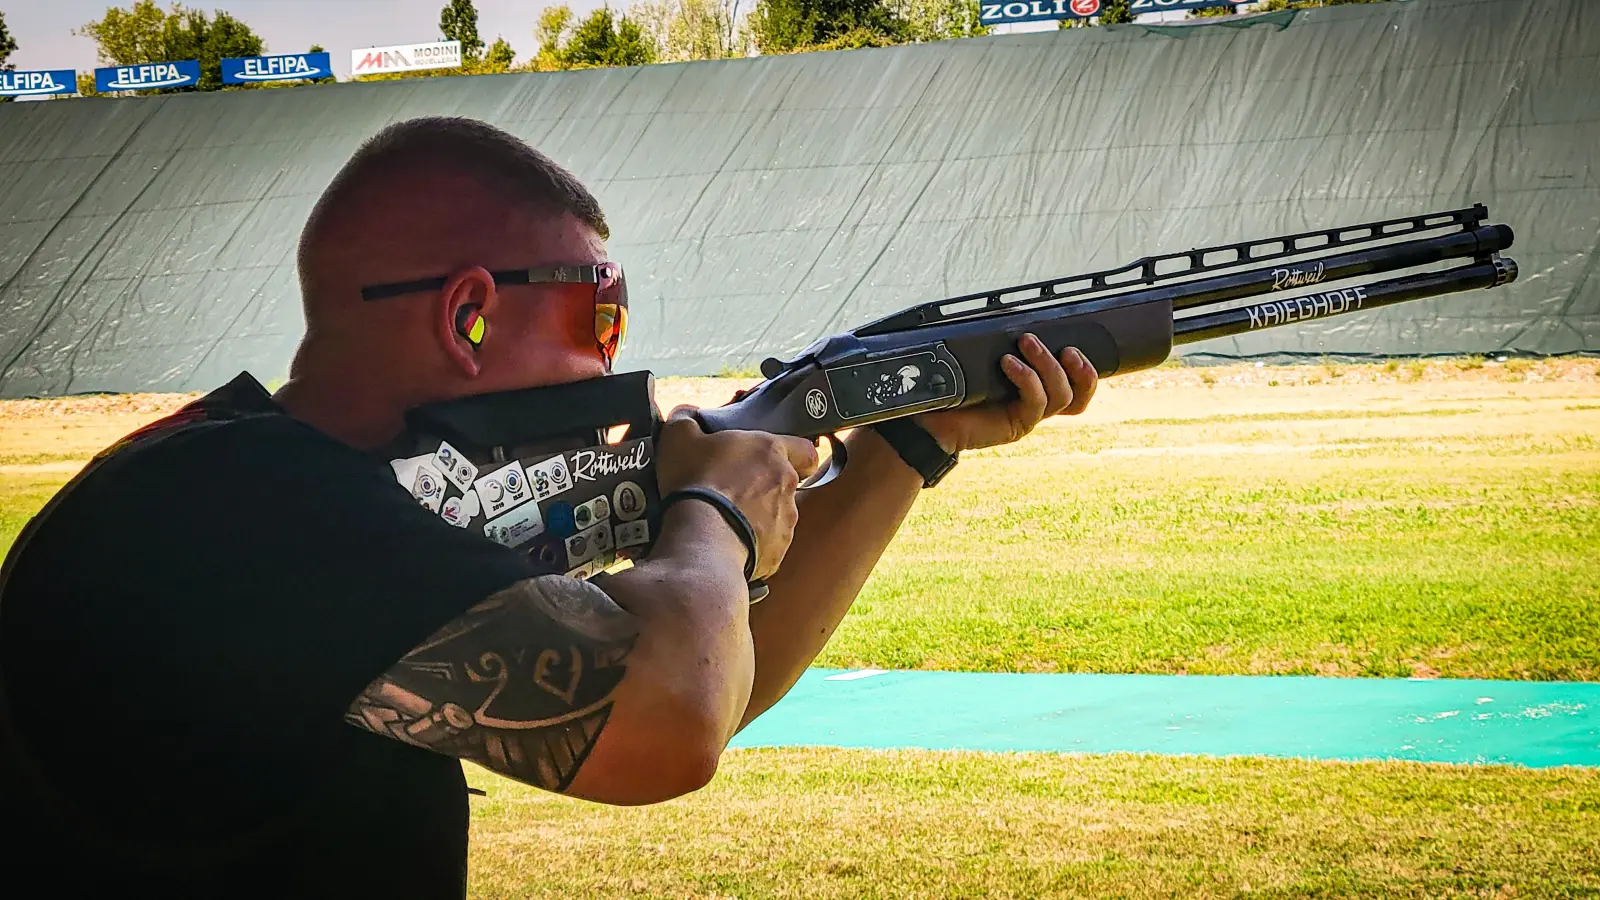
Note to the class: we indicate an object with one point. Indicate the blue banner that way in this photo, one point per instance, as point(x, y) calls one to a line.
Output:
point(147, 77)
point(1000, 12)
point(38, 84)
point(284, 67)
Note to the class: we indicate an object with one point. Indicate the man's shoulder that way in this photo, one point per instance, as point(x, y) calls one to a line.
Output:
point(240, 410)
point(237, 431)
point(233, 452)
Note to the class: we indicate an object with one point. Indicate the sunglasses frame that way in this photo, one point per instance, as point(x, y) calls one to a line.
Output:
point(596, 274)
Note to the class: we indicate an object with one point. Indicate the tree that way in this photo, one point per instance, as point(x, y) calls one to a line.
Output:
point(786, 26)
point(551, 36)
point(683, 30)
point(597, 41)
point(146, 34)
point(1275, 5)
point(601, 41)
point(940, 20)
point(459, 22)
point(500, 56)
point(8, 46)
point(1211, 12)
point(1116, 12)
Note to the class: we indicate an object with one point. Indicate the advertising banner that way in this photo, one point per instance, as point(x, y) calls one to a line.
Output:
point(38, 84)
point(405, 58)
point(1001, 12)
point(283, 67)
point(148, 76)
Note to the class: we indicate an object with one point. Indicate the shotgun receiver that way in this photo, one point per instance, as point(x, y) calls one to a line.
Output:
point(946, 354)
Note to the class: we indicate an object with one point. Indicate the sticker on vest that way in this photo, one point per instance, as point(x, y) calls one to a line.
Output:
point(588, 544)
point(596, 510)
point(503, 488)
point(405, 470)
point(516, 527)
point(633, 534)
point(628, 500)
point(428, 487)
point(455, 467)
point(550, 478)
point(458, 511)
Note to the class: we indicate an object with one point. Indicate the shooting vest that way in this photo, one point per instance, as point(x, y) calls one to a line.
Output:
point(530, 469)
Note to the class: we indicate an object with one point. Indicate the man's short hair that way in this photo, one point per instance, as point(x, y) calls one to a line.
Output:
point(501, 161)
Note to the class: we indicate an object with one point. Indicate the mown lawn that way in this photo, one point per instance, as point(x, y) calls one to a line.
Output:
point(863, 824)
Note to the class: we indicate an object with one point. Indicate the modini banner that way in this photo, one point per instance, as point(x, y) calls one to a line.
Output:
point(38, 84)
point(283, 67)
point(991, 12)
point(147, 77)
point(405, 58)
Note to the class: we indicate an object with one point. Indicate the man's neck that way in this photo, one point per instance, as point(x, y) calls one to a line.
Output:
point(362, 425)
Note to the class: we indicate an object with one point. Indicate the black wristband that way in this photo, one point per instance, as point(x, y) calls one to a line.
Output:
point(730, 513)
point(919, 449)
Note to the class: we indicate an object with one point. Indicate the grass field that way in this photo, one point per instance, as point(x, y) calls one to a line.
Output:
point(1417, 520)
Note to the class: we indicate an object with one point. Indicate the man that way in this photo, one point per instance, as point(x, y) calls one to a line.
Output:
point(239, 658)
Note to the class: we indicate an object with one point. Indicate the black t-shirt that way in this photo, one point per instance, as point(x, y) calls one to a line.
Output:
point(181, 633)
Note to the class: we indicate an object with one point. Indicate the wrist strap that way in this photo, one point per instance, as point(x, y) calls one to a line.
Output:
point(730, 514)
point(918, 448)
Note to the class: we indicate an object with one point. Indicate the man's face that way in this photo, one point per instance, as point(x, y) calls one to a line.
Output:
point(542, 334)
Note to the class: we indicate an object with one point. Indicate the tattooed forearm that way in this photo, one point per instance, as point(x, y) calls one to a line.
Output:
point(522, 683)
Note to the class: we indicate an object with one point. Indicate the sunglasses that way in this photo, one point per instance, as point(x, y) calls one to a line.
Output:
point(610, 295)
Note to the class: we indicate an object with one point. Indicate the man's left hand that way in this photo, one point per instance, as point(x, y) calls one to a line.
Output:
point(1046, 387)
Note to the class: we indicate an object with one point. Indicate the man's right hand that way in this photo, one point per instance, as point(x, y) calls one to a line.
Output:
point(759, 472)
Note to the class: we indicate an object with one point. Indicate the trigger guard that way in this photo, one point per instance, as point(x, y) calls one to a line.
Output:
point(837, 458)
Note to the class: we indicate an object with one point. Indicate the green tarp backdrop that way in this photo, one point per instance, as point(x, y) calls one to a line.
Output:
point(148, 244)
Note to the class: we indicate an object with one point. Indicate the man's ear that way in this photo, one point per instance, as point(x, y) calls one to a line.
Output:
point(462, 324)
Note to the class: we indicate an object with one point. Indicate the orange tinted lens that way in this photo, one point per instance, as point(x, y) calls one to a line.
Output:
point(610, 327)
point(611, 310)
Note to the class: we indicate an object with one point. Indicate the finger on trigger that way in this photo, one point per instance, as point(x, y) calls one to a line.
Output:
point(802, 455)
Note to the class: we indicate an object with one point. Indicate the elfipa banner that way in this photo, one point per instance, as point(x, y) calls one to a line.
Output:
point(38, 84)
point(1007, 13)
point(147, 77)
point(282, 67)
point(405, 58)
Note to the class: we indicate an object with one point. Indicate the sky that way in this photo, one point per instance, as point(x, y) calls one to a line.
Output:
point(43, 28)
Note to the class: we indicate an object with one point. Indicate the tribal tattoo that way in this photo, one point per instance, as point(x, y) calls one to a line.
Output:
point(522, 683)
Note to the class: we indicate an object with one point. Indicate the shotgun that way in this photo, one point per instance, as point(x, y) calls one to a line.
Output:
point(535, 470)
point(946, 354)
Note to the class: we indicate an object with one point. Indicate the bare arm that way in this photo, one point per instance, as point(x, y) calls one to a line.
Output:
point(843, 530)
point(844, 527)
point(625, 695)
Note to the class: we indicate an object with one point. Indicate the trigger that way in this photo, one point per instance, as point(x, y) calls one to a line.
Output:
point(837, 458)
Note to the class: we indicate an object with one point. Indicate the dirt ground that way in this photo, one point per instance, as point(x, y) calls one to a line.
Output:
point(42, 435)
